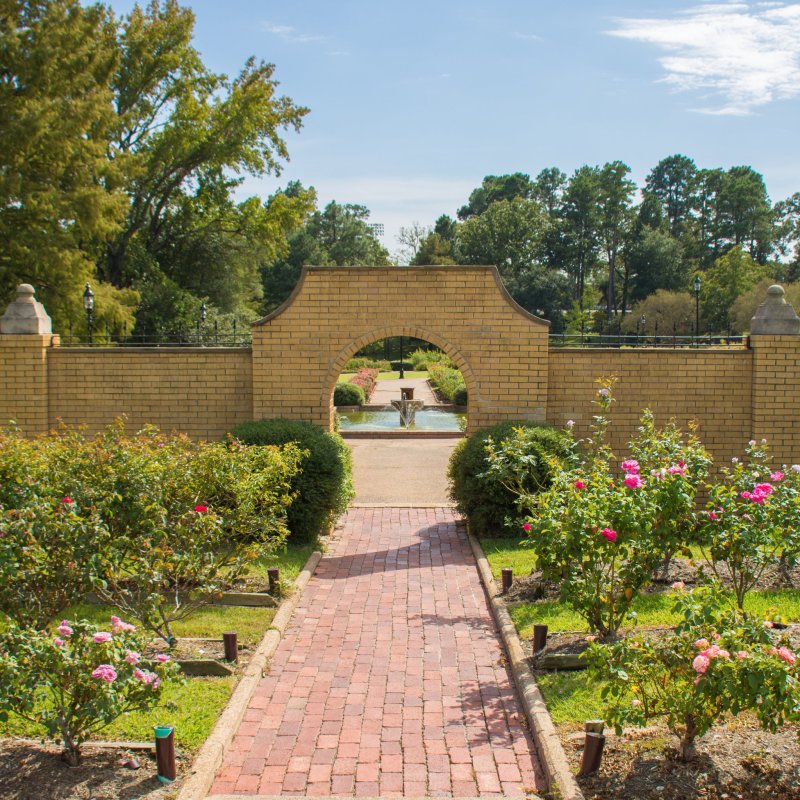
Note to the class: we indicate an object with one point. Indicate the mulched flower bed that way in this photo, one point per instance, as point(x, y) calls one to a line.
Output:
point(734, 762)
point(32, 771)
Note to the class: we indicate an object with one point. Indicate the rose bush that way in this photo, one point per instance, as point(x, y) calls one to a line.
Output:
point(78, 679)
point(716, 662)
point(601, 530)
point(751, 520)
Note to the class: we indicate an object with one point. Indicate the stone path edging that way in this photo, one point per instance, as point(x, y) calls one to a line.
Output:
point(559, 776)
point(204, 769)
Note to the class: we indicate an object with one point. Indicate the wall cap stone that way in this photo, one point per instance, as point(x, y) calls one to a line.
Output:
point(25, 314)
point(775, 316)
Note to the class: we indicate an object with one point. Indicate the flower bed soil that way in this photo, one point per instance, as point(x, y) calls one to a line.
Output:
point(737, 761)
point(32, 771)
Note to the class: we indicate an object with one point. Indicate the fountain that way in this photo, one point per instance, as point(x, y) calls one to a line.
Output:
point(408, 407)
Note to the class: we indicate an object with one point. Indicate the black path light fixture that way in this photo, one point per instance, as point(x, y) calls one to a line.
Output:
point(402, 355)
point(697, 306)
point(202, 322)
point(88, 307)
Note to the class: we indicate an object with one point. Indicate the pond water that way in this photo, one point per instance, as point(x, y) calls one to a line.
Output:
point(428, 419)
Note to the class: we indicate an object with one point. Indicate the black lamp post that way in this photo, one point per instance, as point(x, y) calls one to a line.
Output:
point(88, 305)
point(642, 322)
point(697, 306)
point(402, 371)
point(201, 324)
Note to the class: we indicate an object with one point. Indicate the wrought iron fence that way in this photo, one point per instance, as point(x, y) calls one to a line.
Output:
point(211, 335)
point(625, 340)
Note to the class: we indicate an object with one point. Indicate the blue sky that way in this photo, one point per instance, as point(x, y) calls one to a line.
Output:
point(412, 103)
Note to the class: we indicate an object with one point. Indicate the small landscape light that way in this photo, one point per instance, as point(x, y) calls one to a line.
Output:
point(165, 753)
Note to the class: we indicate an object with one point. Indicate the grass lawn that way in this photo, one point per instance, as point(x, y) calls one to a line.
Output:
point(503, 552)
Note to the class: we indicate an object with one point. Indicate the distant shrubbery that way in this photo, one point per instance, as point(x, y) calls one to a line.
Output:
point(348, 394)
point(324, 486)
point(484, 498)
point(356, 364)
point(422, 359)
point(448, 382)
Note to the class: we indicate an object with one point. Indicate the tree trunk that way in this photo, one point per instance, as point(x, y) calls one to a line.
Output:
point(688, 749)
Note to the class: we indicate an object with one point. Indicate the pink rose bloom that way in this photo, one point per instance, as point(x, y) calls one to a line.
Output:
point(132, 657)
point(658, 474)
point(630, 466)
point(201, 509)
point(118, 625)
point(787, 655)
point(679, 585)
point(764, 488)
point(676, 470)
point(579, 485)
point(147, 678)
point(64, 628)
point(105, 672)
point(609, 534)
point(67, 501)
point(742, 655)
point(633, 481)
point(715, 636)
point(570, 423)
point(700, 664)
point(162, 658)
point(776, 476)
point(102, 636)
point(526, 526)
point(58, 642)
point(723, 654)
point(745, 495)
point(713, 515)
point(139, 674)
point(701, 644)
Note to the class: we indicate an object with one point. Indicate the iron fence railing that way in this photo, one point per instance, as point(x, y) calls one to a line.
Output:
point(624, 340)
point(212, 335)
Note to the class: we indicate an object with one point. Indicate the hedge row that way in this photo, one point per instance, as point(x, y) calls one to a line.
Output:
point(355, 364)
point(449, 383)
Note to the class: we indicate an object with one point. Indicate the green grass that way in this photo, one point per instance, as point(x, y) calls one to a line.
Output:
point(502, 552)
point(571, 698)
point(290, 559)
point(192, 708)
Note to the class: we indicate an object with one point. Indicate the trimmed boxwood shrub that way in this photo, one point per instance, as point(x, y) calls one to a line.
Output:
point(324, 485)
point(482, 498)
point(460, 396)
point(348, 394)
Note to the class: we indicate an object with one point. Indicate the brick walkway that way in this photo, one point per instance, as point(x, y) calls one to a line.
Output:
point(390, 678)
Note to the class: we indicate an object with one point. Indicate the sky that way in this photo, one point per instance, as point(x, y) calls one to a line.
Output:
point(412, 103)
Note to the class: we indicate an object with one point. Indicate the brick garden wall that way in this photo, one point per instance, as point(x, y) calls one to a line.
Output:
point(299, 351)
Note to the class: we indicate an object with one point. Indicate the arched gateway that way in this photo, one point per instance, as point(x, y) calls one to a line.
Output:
point(300, 349)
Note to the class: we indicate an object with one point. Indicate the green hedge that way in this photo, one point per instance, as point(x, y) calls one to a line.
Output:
point(348, 394)
point(483, 498)
point(355, 364)
point(446, 380)
point(422, 359)
point(324, 486)
point(460, 396)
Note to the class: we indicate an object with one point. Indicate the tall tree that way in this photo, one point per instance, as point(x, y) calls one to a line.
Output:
point(495, 188)
point(672, 181)
point(57, 187)
point(746, 213)
point(548, 188)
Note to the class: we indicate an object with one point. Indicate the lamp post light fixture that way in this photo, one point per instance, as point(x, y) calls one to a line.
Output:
point(202, 322)
point(697, 306)
point(642, 322)
point(402, 371)
point(88, 306)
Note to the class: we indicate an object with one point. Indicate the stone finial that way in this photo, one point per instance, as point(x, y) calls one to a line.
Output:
point(775, 316)
point(25, 314)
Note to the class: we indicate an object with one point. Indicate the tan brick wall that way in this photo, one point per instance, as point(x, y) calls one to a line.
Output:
point(710, 386)
point(776, 394)
point(202, 392)
point(23, 380)
point(299, 351)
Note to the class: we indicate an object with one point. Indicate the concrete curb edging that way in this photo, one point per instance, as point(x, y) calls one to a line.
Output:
point(560, 780)
point(198, 782)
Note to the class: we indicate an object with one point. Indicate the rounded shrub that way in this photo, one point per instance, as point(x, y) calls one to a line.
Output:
point(481, 496)
point(460, 396)
point(348, 394)
point(324, 485)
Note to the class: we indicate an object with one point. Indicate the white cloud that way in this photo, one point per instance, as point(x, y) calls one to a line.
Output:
point(748, 55)
point(528, 37)
point(290, 34)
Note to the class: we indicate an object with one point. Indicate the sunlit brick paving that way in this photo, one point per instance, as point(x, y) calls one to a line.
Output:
point(390, 680)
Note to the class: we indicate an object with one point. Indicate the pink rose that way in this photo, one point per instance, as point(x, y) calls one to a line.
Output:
point(701, 644)
point(105, 672)
point(679, 585)
point(630, 466)
point(132, 657)
point(742, 655)
point(58, 642)
point(633, 481)
point(713, 515)
point(162, 658)
point(787, 655)
point(201, 509)
point(64, 628)
point(609, 534)
point(700, 664)
point(102, 636)
point(118, 625)
point(526, 526)
point(679, 470)
point(776, 476)
point(579, 485)
point(67, 501)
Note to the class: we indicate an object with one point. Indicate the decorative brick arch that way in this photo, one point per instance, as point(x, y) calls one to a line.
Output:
point(300, 349)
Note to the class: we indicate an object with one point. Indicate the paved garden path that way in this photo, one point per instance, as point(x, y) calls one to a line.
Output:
point(390, 679)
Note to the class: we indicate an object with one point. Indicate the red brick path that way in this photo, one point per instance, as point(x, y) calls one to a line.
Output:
point(390, 678)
